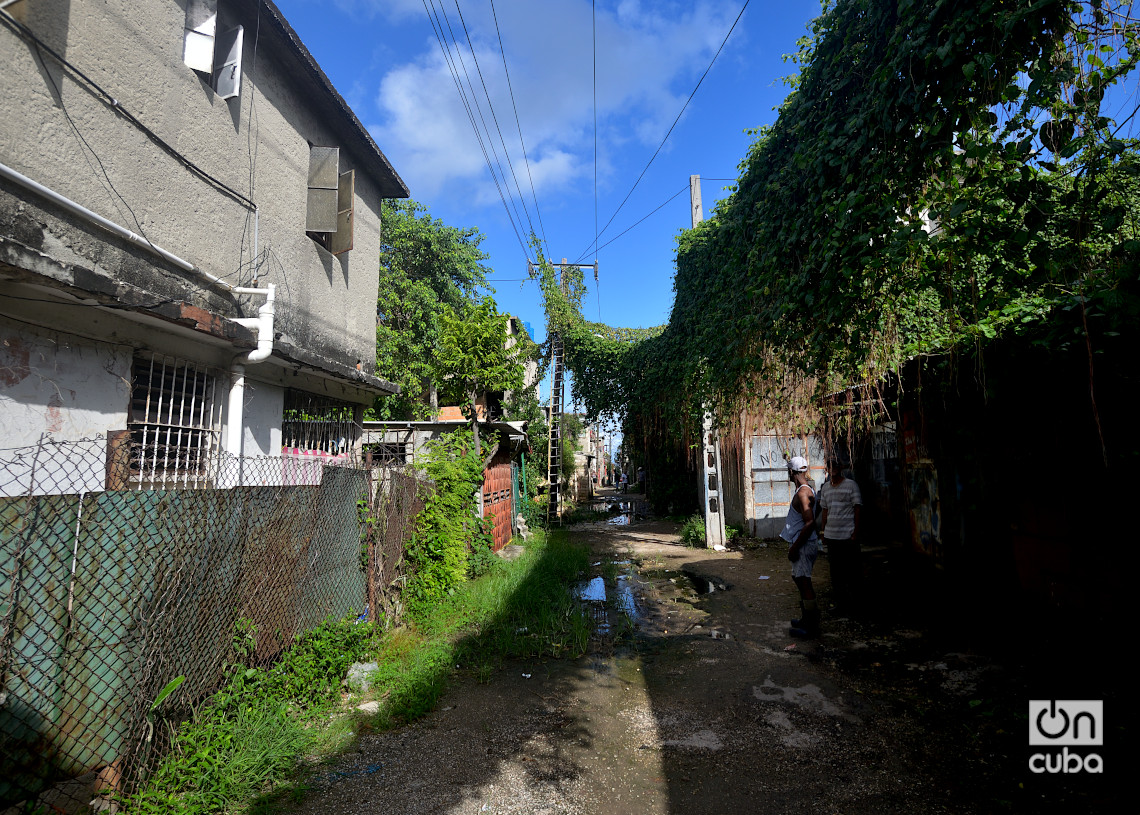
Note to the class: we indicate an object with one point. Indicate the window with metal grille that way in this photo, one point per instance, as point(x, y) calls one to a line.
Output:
point(390, 452)
point(175, 422)
point(317, 423)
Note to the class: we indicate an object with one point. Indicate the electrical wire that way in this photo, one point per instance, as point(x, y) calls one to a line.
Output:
point(518, 124)
point(113, 103)
point(627, 229)
point(252, 144)
point(119, 306)
point(437, 29)
point(90, 152)
point(494, 118)
point(479, 109)
point(594, 49)
point(684, 107)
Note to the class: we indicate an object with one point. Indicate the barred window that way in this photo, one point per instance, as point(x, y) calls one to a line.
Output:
point(174, 422)
point(317, 423)
point(390, 452)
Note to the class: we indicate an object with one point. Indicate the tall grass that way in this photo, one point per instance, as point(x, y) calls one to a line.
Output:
point(249, 738)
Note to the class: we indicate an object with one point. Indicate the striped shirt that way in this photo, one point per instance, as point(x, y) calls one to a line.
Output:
point(840, 501)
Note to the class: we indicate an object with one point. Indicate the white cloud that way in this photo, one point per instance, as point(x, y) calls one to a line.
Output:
point(649, 56)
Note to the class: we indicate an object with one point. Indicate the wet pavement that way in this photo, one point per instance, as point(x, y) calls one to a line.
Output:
point(694, 698)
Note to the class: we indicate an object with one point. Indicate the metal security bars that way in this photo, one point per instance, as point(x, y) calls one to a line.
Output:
point(106, 595)
point(316, 423)
point(174, 423)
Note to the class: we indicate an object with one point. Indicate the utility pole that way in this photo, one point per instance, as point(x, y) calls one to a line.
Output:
point(695, 199)
point(709, 469)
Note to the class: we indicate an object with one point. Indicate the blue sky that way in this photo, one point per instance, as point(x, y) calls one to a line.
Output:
point(383, 56)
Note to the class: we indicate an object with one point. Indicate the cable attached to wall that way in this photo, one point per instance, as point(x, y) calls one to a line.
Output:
point(96, 90)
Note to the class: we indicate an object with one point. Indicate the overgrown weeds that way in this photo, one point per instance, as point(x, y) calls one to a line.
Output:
point(250, 736)
point(693, 531)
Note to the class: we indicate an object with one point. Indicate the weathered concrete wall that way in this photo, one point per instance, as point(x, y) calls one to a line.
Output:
point(263, 406)
point(60, 384)
point(59, 133)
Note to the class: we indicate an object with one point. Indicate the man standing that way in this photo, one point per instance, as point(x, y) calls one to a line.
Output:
point(842, 503)
point(799, 532)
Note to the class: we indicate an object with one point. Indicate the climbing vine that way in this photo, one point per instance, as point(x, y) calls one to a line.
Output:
point(942, 174)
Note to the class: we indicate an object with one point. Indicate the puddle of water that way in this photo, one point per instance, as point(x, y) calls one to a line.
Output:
point(706, 585)
point(626, 600)
point(594, 590)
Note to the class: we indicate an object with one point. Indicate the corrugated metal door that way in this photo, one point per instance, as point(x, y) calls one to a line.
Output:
point(771, 489)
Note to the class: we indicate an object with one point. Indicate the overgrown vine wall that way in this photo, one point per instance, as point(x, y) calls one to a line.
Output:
point(941, 176)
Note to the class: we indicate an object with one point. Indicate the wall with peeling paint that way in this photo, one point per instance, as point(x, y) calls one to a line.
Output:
point(58, 384)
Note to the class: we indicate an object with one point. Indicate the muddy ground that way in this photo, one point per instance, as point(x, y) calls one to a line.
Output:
point(694, 700)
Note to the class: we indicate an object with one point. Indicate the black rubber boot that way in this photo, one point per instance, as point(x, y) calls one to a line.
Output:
point(808, 627)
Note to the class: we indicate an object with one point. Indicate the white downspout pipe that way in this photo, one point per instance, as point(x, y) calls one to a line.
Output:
point(263, 323)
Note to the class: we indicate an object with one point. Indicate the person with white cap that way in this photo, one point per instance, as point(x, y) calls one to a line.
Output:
point(803, 549)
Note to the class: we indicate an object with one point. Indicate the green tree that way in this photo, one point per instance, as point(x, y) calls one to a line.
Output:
point(472, 356)
point(426, 268)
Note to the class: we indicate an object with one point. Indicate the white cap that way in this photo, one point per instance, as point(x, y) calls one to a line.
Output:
point(797, 464)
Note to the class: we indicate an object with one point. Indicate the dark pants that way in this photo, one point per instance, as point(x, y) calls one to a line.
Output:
point(846, 571)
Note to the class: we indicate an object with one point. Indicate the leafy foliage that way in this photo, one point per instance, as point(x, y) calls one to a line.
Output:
point(252, 730)
point(941, 175)
point(447, 529)
point(427, 269)
point(693, 533)
point(473, 357)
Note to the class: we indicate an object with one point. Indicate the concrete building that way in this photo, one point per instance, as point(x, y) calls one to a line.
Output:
point(189, 232)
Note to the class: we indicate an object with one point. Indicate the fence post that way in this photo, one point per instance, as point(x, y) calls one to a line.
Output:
point(118, 459)
point(370, 540)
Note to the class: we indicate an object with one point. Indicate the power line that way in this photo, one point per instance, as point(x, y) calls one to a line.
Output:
point(615, 237)
point(495, 119)
point(474, 99)
point(594, 41)
point(114, 104)
point(518, 124)
point(670, 131)
point(437, 28)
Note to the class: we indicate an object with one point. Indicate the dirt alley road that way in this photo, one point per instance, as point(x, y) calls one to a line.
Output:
point(700, 702)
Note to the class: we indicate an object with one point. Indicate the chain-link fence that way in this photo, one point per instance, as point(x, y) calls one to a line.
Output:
point(110, 588)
